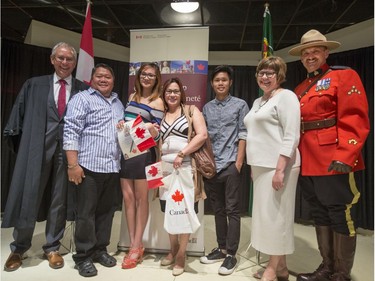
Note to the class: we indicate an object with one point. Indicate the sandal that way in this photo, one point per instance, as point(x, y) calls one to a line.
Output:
point(134, 257)
point(86, 268)
point(105, 259)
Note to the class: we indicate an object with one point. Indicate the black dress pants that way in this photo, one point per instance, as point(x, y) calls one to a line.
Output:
point(224, 193)
point(95, 205)
point(333, 200)
point(54, 176)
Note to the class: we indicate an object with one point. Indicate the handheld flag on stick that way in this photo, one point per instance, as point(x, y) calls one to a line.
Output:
point(140, 135)
point(154, 175)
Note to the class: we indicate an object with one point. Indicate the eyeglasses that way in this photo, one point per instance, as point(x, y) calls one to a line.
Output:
point(268, 74)
point(148, 75)
point(62, 59)
point(176, 92)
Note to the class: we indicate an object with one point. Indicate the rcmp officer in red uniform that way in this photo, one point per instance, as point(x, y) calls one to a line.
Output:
point(334, 127)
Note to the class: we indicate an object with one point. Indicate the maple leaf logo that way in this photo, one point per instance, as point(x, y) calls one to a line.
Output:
point(178, 196)
point(153, 171)
point(140, 133)
point(200, 67)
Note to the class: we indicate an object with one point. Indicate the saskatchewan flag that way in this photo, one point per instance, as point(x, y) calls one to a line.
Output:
point(267, 50)
point(267, 42)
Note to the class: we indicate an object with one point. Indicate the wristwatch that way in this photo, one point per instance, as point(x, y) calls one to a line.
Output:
point(72, 166)
point(181, 154)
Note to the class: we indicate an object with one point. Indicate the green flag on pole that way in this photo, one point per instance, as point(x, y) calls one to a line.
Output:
point(267, 50)
point(267, 42)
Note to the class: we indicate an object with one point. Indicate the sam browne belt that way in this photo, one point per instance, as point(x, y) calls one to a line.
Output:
point(317, 124)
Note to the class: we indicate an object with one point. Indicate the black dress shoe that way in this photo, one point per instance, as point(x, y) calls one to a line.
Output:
point(105, 259)
point(86, 268)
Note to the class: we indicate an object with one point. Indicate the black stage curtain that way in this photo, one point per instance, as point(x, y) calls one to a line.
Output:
point(21, 61)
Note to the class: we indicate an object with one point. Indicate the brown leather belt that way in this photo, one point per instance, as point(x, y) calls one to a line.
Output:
point(317, 124)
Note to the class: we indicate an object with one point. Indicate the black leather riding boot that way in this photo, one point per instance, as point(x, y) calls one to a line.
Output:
point(324, 235)
point(344, 251)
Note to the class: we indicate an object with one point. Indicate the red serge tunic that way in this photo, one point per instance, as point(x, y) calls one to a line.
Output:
point(338, 94)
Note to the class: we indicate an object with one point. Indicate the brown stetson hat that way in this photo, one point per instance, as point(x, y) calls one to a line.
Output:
point(313, 38)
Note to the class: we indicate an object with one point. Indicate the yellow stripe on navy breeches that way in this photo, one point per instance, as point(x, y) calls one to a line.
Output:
point(357, 194)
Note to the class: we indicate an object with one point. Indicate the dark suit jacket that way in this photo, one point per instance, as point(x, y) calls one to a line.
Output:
point(33, 112)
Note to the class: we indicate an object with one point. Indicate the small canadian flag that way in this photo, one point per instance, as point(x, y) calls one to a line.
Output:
point(154, 175)
point(141, 136)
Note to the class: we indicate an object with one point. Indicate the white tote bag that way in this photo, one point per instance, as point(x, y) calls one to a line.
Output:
point(180, 216)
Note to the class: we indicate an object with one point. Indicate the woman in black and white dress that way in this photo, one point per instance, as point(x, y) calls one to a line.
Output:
point(176, 152)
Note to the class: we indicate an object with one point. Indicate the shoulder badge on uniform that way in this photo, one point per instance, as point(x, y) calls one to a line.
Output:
point(354, 90)
point(352, 141)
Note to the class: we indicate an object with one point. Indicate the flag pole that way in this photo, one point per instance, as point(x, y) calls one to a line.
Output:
point(266, 50)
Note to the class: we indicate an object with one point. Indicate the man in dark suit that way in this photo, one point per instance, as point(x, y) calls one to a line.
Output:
point(38, 190)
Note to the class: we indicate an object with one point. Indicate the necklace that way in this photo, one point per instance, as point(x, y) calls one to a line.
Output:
point(261, 104)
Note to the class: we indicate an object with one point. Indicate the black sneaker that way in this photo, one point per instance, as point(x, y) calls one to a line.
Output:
point(228, 265)
point(216, 255)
